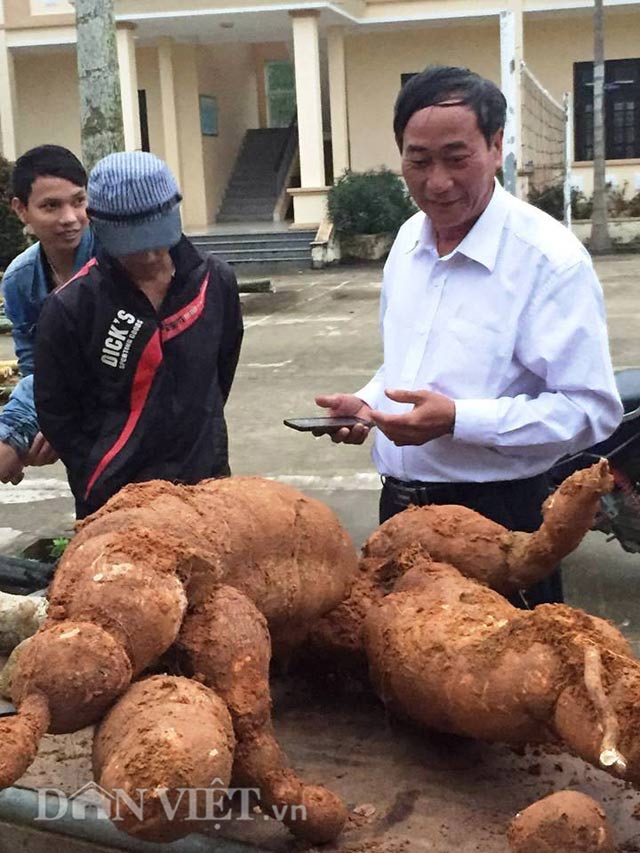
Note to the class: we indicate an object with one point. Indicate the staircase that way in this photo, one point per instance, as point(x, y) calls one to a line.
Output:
point(259, 252)
point(257, 180)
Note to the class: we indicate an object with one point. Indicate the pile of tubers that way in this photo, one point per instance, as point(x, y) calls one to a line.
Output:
point(217, 573)
point(213, 572)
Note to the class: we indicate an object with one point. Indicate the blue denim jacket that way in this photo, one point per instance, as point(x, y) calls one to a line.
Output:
point(25, 288)
point(18, 421)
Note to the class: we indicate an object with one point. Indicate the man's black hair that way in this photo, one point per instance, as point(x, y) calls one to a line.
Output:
point(438, 84)
point(46, 161)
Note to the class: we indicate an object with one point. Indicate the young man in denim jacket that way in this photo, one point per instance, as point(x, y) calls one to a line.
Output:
point(49, 185)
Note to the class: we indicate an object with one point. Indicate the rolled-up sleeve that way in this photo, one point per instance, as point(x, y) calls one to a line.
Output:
point(18, 421)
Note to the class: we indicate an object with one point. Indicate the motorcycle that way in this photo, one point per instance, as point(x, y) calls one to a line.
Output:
point(619, 513)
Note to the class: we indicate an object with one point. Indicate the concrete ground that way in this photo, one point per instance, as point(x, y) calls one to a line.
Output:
point(318, 333)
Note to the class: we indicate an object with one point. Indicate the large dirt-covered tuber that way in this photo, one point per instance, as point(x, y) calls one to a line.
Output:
point(479, 548)
point(228, 565)
point(158, 750)
point(226, 643)
point(455, 656)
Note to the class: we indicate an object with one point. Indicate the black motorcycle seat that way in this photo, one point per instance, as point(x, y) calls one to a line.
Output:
point(628, 382)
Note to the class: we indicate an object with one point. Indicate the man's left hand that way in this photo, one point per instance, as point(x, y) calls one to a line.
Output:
point(433, 415)
point(40, 452)
point(10, 465)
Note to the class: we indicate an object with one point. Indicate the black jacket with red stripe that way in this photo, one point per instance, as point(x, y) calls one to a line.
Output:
point(126, 394)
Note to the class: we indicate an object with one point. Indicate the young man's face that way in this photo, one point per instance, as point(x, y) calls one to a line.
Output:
point(56, 212)
point(448, 166)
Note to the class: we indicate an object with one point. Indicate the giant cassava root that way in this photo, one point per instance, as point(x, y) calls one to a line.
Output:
point(455, 656)
point(215, 570)
point(166, 729)
point(502, 559)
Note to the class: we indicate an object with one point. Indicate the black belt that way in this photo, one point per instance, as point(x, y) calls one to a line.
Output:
point(419, 493)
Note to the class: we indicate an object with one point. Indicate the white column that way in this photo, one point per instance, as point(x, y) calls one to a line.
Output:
point(7, 100)
point(511, 55)
point(129, 86)
point(338, 101)
point(194, 180)
point(168, 101)
point(309, 103)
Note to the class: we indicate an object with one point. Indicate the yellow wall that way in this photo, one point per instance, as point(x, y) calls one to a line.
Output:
point(619, 173)
point(148, 79)
point(48, 104)
point(48, 111)
point(553, 44)
point(49, 7)
point(226, 71)
point(192, 180)
point(374, 65)
point(22, 13)
point(48, 108)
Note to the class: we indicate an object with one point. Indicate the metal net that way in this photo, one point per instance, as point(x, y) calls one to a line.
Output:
point(544, 127)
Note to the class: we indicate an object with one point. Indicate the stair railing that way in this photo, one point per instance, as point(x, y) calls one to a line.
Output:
point(285, 156)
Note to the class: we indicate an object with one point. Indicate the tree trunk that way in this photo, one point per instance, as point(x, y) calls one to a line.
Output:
point(600, 239)
point(100, 104)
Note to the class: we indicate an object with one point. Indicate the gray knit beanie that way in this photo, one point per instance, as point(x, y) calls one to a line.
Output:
point(134, 203)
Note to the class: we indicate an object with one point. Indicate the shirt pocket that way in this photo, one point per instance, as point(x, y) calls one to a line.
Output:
point(477, 358)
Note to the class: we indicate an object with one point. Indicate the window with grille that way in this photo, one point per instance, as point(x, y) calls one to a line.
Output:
point(621, 109)
point(281, 93)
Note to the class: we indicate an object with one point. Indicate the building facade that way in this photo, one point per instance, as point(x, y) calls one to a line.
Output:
point(196, 75)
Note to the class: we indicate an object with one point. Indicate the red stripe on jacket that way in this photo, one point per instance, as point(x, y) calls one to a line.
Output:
point(150, 360)
point(82, 271)
point(187, 316)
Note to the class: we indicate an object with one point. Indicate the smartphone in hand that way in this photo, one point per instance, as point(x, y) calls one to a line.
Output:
point(324, 425)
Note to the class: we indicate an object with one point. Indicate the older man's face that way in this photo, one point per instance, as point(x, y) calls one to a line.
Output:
point(448, 166)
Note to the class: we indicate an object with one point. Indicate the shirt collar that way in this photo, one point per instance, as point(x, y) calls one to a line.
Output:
point(481, 244)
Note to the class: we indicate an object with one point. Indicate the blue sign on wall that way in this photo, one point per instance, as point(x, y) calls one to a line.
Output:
point(208, 115)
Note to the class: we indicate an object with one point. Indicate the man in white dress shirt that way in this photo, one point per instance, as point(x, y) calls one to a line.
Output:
point(496, 356)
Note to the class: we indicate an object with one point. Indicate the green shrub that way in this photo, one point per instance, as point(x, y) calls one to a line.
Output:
point(12, 240)
point(581, 207)
point(633, 207)
point(551, 200)
point(373, 202)
point(617, 201)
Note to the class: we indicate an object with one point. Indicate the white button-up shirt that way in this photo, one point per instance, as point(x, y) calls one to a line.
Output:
point(511, 326)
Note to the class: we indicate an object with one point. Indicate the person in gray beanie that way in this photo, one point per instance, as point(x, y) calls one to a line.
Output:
point(135, 355)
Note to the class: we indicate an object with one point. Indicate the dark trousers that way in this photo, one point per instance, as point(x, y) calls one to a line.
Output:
point(516, 504)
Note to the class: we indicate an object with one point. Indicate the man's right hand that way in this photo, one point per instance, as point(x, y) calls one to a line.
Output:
point(11, 466)
point(346, 405)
